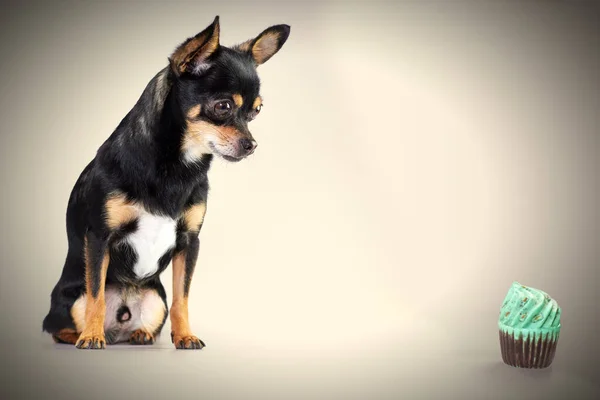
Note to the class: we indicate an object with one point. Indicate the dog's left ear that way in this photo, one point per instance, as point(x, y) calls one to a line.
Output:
point(265, 45)
point(193, 55)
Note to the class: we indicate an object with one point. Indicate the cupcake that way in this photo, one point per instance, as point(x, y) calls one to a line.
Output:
point(529, 324)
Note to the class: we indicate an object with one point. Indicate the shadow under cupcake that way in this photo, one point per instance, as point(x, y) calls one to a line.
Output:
point(529, 324)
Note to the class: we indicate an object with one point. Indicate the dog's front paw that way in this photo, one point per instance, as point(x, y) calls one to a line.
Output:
point(140, 336)
point(186, 342)
point(91, 341)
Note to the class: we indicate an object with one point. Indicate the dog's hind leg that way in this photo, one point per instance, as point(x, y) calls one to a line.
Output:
point(59, 322)
point(132, 315)
point(149, 316)
point(66, 336)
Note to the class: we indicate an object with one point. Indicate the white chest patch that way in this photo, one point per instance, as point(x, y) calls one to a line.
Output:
point(154, 236)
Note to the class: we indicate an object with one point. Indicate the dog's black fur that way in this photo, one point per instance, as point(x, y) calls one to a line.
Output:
point(149, 161)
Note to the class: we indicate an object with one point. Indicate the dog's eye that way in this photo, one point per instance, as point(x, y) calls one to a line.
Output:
point(223, 108)
point(254, 112)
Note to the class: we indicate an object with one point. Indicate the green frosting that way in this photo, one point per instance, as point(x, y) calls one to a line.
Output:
point(528, 312)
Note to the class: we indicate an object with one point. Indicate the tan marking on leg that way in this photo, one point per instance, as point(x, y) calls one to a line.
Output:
point(238, 100)
point(152, 309)
point(194, 216)
point(69, 336)
point(119, 211)
point(181, 334)
point(141, 337)
point(78, 313)
point(92, 335)
point(179, 307)
point(113, 299)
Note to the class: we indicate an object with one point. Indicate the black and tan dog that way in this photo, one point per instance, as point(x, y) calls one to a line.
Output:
point(140, 203)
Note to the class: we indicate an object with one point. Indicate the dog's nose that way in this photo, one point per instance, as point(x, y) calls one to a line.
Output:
point(248, 145)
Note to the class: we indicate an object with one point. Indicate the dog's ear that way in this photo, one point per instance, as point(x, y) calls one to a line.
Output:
point(265, 45)
point(193, 55)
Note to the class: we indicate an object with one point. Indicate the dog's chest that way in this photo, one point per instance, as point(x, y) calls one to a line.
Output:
point(155, 236)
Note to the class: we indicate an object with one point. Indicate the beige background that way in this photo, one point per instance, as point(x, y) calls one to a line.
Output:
point(414, 160)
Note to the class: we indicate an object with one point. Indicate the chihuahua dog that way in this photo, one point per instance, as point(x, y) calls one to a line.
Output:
point(138, 206)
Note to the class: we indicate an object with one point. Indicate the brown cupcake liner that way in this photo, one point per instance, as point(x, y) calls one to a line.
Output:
point(527, 353)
